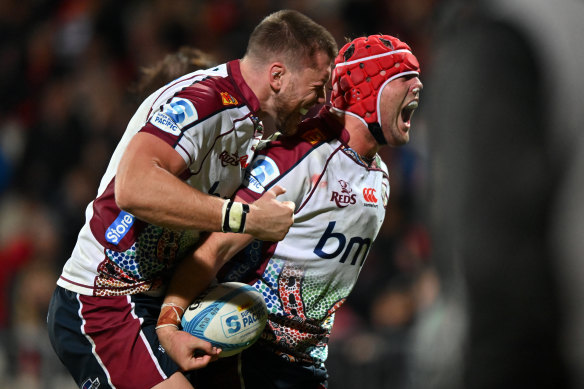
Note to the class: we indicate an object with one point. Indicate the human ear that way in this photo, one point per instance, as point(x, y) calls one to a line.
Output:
point(276, 70)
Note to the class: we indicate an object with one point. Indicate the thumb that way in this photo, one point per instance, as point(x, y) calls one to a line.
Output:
point(289, 204)
point(277, 190)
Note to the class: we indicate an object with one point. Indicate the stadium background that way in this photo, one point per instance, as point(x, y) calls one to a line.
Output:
point(65, 71)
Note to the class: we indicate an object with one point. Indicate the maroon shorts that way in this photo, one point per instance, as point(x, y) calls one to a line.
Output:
point(108, 341)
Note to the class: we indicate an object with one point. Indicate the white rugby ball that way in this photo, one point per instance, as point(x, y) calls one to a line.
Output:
point(229, 315)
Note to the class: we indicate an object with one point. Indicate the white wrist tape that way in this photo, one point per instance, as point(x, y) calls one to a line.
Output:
point(233, 216)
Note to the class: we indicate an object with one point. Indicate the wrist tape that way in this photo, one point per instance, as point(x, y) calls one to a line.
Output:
point(233, 216)
point(170, 315)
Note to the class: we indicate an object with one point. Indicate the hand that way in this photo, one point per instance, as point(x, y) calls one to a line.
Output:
point(188, 351)
point(270, 219)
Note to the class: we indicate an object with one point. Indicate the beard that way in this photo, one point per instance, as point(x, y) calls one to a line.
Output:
point(287, 114)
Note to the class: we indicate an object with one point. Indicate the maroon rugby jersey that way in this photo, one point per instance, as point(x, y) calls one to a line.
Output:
point(208, 118)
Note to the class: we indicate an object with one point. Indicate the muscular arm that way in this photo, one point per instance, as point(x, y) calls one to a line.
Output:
point(195, 273)
point(147, 186)
point(191, 277)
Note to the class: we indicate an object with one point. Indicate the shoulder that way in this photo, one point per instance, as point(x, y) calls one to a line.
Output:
point(213, 92)
point(208, 90)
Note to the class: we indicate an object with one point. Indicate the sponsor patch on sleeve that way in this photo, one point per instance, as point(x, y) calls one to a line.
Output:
point(119, 228)
point(263, 170)
point(175, 115)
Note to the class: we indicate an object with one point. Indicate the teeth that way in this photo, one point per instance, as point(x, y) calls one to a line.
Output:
point(409, 109)
point(303, 111)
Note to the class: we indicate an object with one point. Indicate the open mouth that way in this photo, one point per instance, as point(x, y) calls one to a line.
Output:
point(408, 111)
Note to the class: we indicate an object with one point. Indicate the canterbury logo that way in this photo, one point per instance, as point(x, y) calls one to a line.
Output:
point(227, 99)
point(369, 195)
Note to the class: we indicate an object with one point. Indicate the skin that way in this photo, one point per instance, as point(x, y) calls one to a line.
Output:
point(196, 272)
point(147, 185)
point(285, 94)
point(300, 90)
point(395, 126)
point(285, 91)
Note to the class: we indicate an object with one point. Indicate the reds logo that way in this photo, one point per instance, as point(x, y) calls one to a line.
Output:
point(345, 198)
point(229, 159)
point(369, 195)
point(345, 188)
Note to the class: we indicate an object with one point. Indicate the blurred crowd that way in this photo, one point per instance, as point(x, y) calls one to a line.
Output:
point(67, 68)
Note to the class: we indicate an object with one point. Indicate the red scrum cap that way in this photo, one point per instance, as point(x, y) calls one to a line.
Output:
point(363, 68)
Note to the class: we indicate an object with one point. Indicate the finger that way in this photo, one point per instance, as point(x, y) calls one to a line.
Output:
point(289, 204)
point(277, 190)
point(202, 347)
point(200, 362)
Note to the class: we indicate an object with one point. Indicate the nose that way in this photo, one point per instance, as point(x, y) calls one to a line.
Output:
point(416, 86)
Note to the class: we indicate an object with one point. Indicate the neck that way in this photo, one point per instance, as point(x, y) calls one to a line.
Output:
point(252, 74)
point(360, 139)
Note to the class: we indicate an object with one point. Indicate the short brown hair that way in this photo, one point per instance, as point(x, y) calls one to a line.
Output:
point(293, 35)
point(186, 60)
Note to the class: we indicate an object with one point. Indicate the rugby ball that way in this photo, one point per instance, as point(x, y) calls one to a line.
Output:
point(229, 315)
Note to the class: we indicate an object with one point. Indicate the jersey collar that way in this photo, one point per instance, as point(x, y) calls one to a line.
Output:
point(234, 70)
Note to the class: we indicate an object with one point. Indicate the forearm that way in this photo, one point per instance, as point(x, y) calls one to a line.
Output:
point(162, 199)
point(195, 273)
point(147, 186)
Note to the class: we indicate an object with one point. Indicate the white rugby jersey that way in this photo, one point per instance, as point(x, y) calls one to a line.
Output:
point(340, 207)
point(208, 118)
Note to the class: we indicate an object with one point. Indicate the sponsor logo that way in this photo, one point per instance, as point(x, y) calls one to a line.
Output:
point(90, 384)
point(313, 136)
point(336, 244)
point(345, 198)
point(242, 321)
point(233, 159)
point(369, 197)
point(199, 300)
point(175, 115)
point(227, 99)
point(119, 228)
point(165, 123)
point(229, 159)
point(262, 171)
